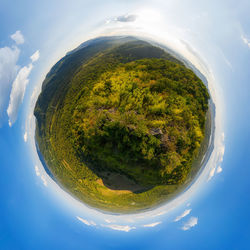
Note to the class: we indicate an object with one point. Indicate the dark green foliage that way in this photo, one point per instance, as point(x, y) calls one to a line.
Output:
point(147, 115)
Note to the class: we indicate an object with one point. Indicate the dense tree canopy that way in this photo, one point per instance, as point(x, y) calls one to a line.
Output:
point(146, 117)
point(121, 115)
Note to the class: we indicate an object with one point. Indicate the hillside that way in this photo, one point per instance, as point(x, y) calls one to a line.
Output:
point(120, 123)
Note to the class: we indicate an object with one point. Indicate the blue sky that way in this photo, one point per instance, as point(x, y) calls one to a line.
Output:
point(213, 213)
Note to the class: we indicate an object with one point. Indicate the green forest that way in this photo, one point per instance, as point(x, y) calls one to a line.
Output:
point(120, 123)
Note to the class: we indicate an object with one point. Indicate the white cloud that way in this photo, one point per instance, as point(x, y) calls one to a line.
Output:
point(153, 224)
point(18, 37)
point(37, 171)
point(25, 136)
point(223, 136)
point(219, 170)
point(86, 222)
point(18, 89)
point(108, 221)
point(220, 153)
point(8, 71)
point(218, 159)
point(34, 96)
point(119, 227)
point(17, 92)
point(44, 180)
point(35, 56)
point(193, 221)
point(246, 41)
point(211, 174)
point(185, 213)
point(159, 214)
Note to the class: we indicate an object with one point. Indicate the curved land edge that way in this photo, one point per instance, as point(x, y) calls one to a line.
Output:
point(133, 206)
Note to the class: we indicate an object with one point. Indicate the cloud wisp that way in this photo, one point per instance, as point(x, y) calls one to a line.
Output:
point(45, 183)
point(184, 214)
point(8, 71)
point(246, 41)
point(25, 136)
point(86, 222)
point(125, 228)
point(18, 37)
point(18, 89)
point(35, 56)
point(219, 170)
point(219, 159)
point(38, 173)
point(193, 221)
point(211, 174)
point(109, 220)
point(17, 92)
point(153, 224)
